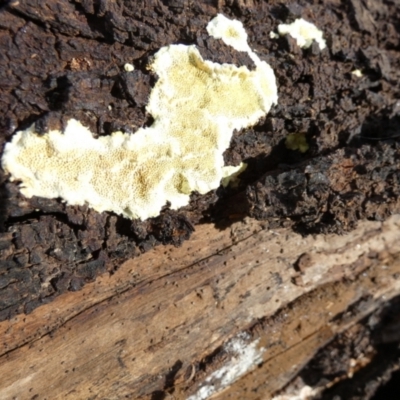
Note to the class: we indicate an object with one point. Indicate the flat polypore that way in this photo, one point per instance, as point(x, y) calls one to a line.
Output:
point(196, 105)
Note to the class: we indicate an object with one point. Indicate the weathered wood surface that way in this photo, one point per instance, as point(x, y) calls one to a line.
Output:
point(241, 303)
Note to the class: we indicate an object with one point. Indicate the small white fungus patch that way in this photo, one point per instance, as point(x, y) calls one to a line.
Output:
point(128, 67)
point(273, 35)
point(231, 32)
point(244, 357)
point(196, 105)
point(305, 393)
point(230, 175)
point(357, 72)
point(303, 32)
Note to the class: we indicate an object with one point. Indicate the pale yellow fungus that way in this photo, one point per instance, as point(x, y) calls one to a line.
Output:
point(297, 141)
point(303, 32)
point(230, 175)
point(231, 32)
point(357, 72)
point(196, 106)
point(128, 67)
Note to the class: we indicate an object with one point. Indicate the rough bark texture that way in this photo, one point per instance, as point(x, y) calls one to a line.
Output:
point(64, 59)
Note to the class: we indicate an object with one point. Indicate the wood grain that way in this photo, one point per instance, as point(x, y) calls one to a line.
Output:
point(163, 319)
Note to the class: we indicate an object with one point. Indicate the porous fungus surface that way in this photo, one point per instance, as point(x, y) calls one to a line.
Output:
point(303, 32)
point(196, 105)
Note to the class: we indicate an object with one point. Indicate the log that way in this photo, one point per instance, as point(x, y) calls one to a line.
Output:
point(240, 315)
point(283, 287)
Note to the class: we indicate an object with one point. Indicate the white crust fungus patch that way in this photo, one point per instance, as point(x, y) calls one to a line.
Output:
point(128, 67)
point(196, 106)
point(243, 356)
point(303, 32)
point(305, 393)
point(357, 72)
point(230, 31)
point(273, 35)
point(230, 175)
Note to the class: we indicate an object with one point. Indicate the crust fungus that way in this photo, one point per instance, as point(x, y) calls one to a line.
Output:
point(297, 141)
point(303, 32)
point(196, 105)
